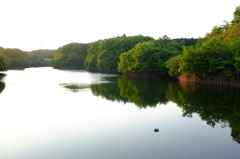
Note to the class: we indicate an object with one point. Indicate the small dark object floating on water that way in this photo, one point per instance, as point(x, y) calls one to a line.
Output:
point(156, 130)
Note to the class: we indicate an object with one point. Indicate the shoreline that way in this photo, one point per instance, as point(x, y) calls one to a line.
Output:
point(135, 75)
point(216, 80)
point(70, 67)
point(102, 70)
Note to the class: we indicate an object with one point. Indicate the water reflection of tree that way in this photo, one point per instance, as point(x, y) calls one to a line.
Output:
point(2, 75)
point(2, 84)
point(214, 104)
point(143, 92)
point(109, 91)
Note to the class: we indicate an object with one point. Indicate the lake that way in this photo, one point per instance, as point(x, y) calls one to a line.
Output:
point(47, 113)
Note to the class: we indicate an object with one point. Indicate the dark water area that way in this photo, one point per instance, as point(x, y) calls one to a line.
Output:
point(47, 113)
point(2, 84)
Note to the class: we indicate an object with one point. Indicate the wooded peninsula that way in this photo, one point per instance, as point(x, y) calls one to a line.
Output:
point(214, 58)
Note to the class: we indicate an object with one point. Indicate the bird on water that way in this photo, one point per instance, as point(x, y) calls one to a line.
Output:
point(156, 130)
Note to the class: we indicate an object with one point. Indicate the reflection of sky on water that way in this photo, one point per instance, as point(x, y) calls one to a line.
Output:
point(41, 120)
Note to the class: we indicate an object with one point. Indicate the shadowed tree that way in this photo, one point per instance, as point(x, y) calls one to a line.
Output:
point(3, 64)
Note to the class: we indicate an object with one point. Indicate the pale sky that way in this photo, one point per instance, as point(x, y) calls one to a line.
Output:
point(49, 24)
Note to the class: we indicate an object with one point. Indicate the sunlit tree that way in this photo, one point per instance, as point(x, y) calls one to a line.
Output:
point(236, 16)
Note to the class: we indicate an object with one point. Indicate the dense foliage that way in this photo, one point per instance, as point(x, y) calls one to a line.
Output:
point(45, 53)
point(145, 58)
point(16, 58)
point(104, 54)
point(218, 53)
point(149, 57)
point(236, 16)
point(3, 63)
point(108, 54)
point(37, 61)
point(70, 55)
point(176, 43)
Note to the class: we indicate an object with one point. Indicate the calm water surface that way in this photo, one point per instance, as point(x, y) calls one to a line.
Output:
point(47, 113)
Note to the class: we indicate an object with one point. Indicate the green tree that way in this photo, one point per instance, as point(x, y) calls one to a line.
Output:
point(235, 50)
point(145, 58)
point(173, 65)
point(46, 53)
point(183, 42)
point(3, 63)
point(212, 58)
point(70, 55)
point(104, 54)
point(91, 59)
point(174, 47)
point(216, 56)
point(16, 58)
point(164, 39)
point(236, 16)
point(37, 61)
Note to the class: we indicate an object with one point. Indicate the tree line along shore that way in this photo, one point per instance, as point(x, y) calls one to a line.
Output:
point(214, 58)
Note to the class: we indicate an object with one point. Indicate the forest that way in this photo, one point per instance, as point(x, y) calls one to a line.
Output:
point(217, 55)
point(71, 55)
point(104, 55)
point(16, 58)
point(214, 56)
